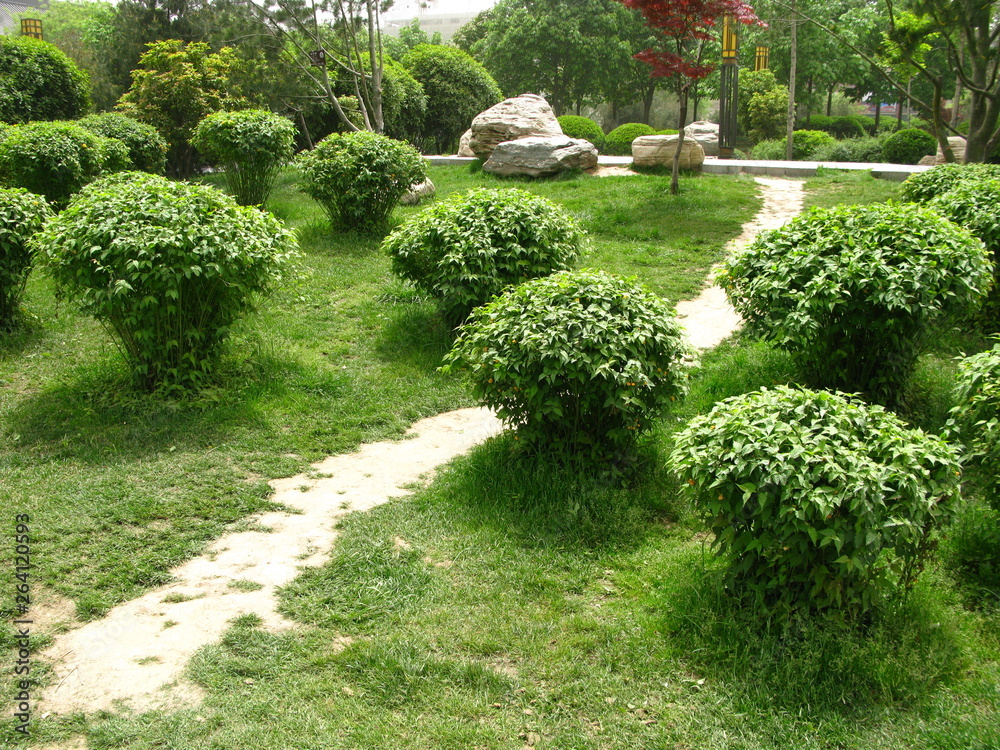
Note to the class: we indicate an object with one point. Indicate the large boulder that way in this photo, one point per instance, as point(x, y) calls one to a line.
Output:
point(707, 135)
point(418, 192)
point(521, 116)
point(538, 156)
point(463, 145)
point(658, 151)
point(957, 144)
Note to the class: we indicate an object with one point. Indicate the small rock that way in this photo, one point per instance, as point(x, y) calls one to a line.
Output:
point(419, 192)
point(541, 156)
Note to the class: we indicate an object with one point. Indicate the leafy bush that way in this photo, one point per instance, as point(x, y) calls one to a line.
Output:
point(166, 267)
point(579, 361)
point(582, 127)
point(56, 159)
point(853, 291)
point(359, 177)
point(147, 150)
point(972, 204)
point(866, 150)
point(805, 144)
point(923, 186)
point(457, 87)
point(817, 502)
point(975, 420)
point(619, 141)
point(175, 86)
point(770, 150)
point(466, 249)
point(842, 127)
point(404, 103)
point(766, 114)
point(251, 146)
point(908, 146)
point(21, 215)
point(39, 82)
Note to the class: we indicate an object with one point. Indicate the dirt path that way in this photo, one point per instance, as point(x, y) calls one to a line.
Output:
point(134, 657)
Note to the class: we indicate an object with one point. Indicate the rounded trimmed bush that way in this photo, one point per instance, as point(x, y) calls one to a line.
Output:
point(251, 146)
point(580, 361)
point(619, 141)
point(21, 216)
point(56, 159)
point(923, 186)
point(39, 82)
point(972, 203)
point(771, 150)
point(147, 150)
point(975, 419)
point(908, 146)
point(359, 177)
point(852, 292)
point(458, 88)
point(817, 502)
point(466, 249)
point(805, 143)
point(166, 267)
point(582, 127)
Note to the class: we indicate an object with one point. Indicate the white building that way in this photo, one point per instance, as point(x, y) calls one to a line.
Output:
point(444, 16)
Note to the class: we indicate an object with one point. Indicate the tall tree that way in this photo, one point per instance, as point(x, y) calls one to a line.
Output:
point(566, 50)
point(684, 26)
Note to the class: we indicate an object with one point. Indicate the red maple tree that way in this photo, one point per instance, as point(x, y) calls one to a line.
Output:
point(685, 25)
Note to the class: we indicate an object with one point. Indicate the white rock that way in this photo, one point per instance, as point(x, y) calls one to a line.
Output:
point(538, 156)
point(707, 135)
point(463, 144)
point(957, 144)
point(418, 192)
point(658, 151)
point(521, 116)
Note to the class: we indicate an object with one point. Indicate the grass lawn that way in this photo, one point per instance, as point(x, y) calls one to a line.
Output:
point(533, 607)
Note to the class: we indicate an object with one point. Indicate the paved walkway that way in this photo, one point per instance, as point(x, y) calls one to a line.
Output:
point(714, 165)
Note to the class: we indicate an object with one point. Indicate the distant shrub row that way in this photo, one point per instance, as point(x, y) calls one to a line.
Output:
point(905, 146)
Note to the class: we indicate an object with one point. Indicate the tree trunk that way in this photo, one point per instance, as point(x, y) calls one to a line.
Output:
point(675, 171)
point(829, 102)
point(790, 117)
point(878, 112)
point(647, 101)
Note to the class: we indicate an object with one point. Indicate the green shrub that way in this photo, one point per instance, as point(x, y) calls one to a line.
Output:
point(805, 144)
point(21, 216)
point(908, 146)
point(762, 107)
point(842, 127)
point(250, 145)
point(466, 249)
point(359, 177)
point(39, 82)
point(582, 127)
point(166, 267)
point(457, 87)
point(619, 141)
point(923, 186)
point(668, 131)
point(56, 159)
point(147, 150)
point(579, 362)
point(865, 150)
point(404, 103)
point(817, 502)
point(975, 420)
point(852, 292)
point(770, 150)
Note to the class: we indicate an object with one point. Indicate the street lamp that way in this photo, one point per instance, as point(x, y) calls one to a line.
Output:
point(31, 27)
point(728, 86)
point(761, 60)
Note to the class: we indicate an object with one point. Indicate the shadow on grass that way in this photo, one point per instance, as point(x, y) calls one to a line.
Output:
point(97, 414)
point(321, 239)
point(540, 503)
point(908, 651)
point(15, 340)
point(416, 334)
